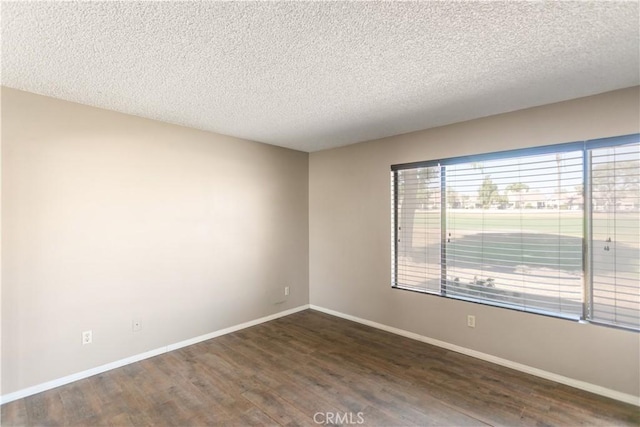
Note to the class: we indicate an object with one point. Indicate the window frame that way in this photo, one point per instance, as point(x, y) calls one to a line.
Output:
point(585, 147)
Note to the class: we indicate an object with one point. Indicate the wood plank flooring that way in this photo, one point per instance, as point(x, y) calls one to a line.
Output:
point(311, 368)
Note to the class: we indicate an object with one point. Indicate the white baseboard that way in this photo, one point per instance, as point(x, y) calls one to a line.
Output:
point(603, 391)
point(138, 357)
point(592, 388)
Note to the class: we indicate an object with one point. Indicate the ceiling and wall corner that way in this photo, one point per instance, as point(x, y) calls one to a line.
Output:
point(317, 75)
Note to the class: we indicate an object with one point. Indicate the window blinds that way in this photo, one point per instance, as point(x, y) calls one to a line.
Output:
point(418, 236)
point(519, 244)
point(552, 230)
point(615, 179)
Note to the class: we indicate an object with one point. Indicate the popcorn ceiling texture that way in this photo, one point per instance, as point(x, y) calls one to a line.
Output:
point(316, 75)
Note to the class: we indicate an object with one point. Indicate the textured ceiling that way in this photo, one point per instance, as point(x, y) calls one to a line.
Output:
point(315, 75)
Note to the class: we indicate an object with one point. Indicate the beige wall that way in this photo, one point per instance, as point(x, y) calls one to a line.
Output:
point(109, 217)
point(350, 242)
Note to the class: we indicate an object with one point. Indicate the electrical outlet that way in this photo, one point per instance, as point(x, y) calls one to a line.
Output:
point(286, 291)
point(87, 337)
point(471, 321)
point(136, 325)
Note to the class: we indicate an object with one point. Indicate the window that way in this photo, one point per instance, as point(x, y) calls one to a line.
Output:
point(552, 230)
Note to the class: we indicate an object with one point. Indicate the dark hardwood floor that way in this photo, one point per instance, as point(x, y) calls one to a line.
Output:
point(312, 365)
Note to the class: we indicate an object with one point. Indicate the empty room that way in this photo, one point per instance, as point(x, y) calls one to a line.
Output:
point(320, 213)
